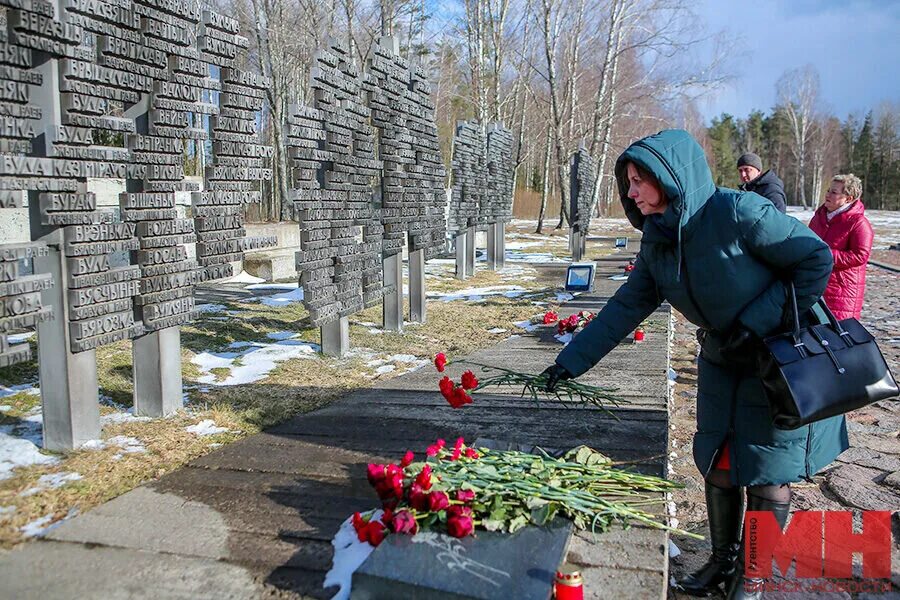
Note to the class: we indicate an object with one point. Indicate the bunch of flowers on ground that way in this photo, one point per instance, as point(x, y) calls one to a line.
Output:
point(566, 392)
point(570, 324)
point(458, 489)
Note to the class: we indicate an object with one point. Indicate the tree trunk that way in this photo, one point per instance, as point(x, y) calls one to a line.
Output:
point(545, 187)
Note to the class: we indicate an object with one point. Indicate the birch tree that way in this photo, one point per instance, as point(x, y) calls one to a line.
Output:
point(798, 93)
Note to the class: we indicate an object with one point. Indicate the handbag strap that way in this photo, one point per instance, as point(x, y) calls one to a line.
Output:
point(832, 320)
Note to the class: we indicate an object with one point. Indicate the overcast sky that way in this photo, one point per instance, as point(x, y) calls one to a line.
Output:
point(854, 44)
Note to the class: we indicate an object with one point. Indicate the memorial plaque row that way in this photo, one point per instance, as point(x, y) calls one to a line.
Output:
point(482, 176)
point(134, 87)
point(335, 168)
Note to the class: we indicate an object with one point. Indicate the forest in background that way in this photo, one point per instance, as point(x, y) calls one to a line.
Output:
point(561, 73)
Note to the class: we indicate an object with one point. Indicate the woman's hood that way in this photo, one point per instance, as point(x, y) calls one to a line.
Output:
point(679, 164)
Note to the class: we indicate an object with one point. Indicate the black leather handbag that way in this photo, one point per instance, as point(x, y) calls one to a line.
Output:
point(820, 371)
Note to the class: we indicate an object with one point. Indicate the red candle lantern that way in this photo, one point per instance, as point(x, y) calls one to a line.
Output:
point(639, 335)
point(569, 584)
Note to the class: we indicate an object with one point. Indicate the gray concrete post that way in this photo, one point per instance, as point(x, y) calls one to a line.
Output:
point(461, 242)
point(157, 360)
point(499, 245)
point(417, 286)
point(68, 380)
point(392, 308)
point(156, 356)
point(69, 389)
point(471, 232)
point(492, 247)
point(336, 337)
point(577, 243)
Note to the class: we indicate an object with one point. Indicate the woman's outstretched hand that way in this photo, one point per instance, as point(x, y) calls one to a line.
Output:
point(555, 373)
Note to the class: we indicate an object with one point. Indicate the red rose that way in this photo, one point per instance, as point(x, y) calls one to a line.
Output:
point(404, 522)
point(436, 447)
point(469, 381)
point(407, 459)
point(446, 386)
point(440, 361)
point(460, 525)
point(418, 499)
point(387, 517)
point(375, 473)
point(471, 453)
point(465, 495)
point(459, 510)
point(460, 398)
point(550, 317)
point(375, 533)
point(423, 479)
point(438, 501)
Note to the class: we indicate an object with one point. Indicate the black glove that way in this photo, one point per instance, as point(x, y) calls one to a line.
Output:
point(555, 373)
point(740, 345)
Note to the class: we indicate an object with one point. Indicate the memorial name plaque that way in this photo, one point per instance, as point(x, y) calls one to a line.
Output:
point(582, 177)
point(333, 182)
point(20, 300)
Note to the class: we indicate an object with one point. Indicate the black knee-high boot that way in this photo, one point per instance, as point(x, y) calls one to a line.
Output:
point(723, 506)
point(744, 588)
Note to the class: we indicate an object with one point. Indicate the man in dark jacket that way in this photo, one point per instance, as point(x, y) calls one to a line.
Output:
point(767, 184)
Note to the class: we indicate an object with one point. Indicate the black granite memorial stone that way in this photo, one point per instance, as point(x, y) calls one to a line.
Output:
point(488, 566)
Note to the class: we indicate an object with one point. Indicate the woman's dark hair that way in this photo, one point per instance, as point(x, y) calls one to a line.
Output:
point(644, 173)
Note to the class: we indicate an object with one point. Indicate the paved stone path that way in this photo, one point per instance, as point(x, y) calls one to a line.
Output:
point(255, 518)
point(867, 476)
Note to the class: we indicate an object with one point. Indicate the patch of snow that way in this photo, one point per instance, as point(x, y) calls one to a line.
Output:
point(127, 416)
point(257, 360)
point(37, 527)
point(671, 374)
point(497, 330)
point(51, 482)
point(280, 335)
point(526, 325)
point(28, 388)
point(5, 408)
point(404, 358)
point(384, 369)
point(673, 549)
point(93, 445)
point(478, 294)
point(564, 338)
point(376, 331)
point(20, 446)
point(128, 444)
point(242, 277)
point(564, 296)
point(206, 427)
point(520, 245)
point(533, 257)
point(293, 285)
point(618, 277)
point(349, 554)
point(366, 323)
point(210, 308)
point(7, 510)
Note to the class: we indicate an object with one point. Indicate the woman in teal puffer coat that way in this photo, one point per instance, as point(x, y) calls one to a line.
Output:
point(722, 258)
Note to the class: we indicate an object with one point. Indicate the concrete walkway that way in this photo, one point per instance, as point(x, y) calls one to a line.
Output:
point(255, 518)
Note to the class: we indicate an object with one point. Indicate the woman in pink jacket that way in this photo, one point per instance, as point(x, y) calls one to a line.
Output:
point(841, 222)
